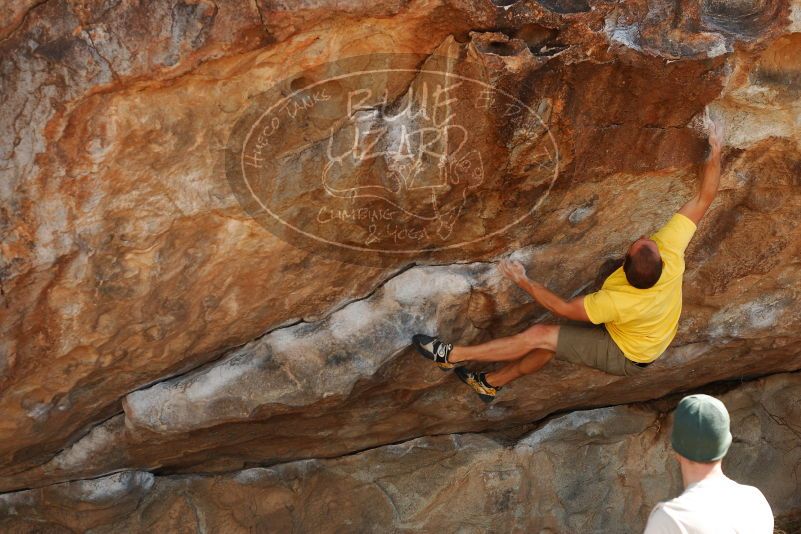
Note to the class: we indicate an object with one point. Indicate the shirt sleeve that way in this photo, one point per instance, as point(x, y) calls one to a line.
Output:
point(676, 234)
point(660, 522)
point(600, 307)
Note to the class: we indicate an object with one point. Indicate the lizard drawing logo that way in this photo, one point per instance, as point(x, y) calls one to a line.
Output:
point(371, 159)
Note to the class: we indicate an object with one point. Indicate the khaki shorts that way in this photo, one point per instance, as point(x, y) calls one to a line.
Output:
point(593, 346)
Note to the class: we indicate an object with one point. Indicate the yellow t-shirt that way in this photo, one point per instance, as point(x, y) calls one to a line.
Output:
point(643, 322)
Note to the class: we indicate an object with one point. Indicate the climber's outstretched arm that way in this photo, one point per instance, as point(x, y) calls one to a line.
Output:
point(710, 176)
point(573, 309)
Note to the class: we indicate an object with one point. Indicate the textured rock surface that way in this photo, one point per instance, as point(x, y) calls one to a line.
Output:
point(147, 322)
point(588, 471)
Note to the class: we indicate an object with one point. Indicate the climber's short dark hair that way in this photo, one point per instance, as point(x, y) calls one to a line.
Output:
point(643, 268)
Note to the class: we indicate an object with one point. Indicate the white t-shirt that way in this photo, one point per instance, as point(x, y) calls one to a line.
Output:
point(716, 505)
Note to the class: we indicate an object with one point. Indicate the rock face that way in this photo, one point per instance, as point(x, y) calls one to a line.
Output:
point(187, 285)
point(600, 470)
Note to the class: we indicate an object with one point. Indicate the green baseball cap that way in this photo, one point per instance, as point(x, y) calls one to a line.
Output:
point(701, 429)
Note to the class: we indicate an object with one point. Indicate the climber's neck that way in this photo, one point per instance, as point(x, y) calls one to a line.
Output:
point(692, 472)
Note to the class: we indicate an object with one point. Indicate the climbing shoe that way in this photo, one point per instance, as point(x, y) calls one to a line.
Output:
point(477, 381)
point(433, 349)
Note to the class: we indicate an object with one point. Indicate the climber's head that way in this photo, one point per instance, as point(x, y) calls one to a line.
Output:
point(643, 264)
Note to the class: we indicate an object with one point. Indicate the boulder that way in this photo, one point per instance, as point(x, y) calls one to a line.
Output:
point(222, 222)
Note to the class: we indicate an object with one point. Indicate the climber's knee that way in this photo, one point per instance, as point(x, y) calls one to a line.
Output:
point(541, 336)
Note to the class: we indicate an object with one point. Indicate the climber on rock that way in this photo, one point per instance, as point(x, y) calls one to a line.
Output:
point(634, 315)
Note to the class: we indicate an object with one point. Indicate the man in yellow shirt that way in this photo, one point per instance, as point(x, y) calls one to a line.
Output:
point(638, 307)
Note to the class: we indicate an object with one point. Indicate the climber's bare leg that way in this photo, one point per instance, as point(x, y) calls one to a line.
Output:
point(539, 336)
point(528, 364)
